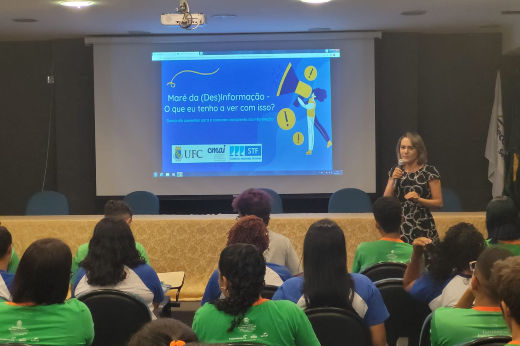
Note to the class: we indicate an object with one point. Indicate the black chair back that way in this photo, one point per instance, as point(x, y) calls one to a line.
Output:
point(385, 270)
point(425, 339)
point(117, 316)
point(406, 314)
point(245, 344)
point(269, 291)
point(338, 327)
point(491, 341)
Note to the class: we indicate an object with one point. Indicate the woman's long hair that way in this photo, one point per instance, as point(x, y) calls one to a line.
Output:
point(243, 265)
point(417, 143)
point(327, 282)
point(502, 220)
point(111, 248)
point(462, 244)
point(42, 278)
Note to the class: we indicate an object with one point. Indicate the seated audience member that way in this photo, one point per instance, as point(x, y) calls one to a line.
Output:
point(39, 312)
point(6, 278)
point(506, 277)
point(327, 283)
point(256, 202)
point(248, 230)
point(163, 332)
point(243, 315)
point(14, 261)
point(502, 224)
point(390, 248)
point(448, 274)
point(477, 314)
point(116, 210)
point(113, 262)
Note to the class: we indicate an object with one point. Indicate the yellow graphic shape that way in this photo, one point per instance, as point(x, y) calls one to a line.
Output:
point(310, 73)
point(286, 119)
point(298, 138)
point(172, 84)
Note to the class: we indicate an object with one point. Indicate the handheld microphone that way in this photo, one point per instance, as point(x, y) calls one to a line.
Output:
point(400, 165)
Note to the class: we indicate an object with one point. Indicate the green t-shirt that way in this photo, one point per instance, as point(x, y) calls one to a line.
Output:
point(83, 251)
point(384, 250)
point(275, 323)
point(514, 248)
point(451, 326)
point(67, 324)
point(13, 263)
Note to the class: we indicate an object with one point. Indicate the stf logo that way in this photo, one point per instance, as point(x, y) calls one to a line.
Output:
point(178, 155)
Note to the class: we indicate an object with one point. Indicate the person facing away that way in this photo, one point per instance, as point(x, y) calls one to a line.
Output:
point(477, 314)
point(506, 277)
point(448, 275)
point(502, 224)
point(113, 262)
point(39, 312)
point(248, 230)
point(243, 316)
point(113, 209)
point(6, 278)
point(256, 202)
point(14, 260)
point(390, 248)
point(327, 283)
point(163, 332)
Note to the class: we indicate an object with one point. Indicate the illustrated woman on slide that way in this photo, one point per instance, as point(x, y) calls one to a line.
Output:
point(312, 120)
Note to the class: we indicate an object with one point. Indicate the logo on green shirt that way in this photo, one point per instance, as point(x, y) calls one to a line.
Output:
point(391, 256)
point(19, 329)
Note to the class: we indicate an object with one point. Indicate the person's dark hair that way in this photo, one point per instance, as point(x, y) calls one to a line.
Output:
point(243, 265)
point(111, 248)
point(6, 240)
point(162, 332)
point(118, 210)
point(253, 202)
point(506, 276)
point(327, 282)
point(484, 268)
point(321, 95)
point(502, 220)
point(249, 230)
point(388, 212)
point(43, 275)
point(462, 244)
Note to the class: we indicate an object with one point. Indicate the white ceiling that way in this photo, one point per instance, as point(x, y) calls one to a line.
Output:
point(116, 17)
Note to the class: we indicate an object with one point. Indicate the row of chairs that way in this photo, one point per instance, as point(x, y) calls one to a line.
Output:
point(347, 200)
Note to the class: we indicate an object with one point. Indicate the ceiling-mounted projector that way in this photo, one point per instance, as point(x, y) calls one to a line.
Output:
point(183, 17)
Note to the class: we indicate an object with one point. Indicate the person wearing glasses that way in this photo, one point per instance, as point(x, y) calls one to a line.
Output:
point(256, 202)
point(506, 276)
point(248, 230)
point(478, 313)
point(448, 274)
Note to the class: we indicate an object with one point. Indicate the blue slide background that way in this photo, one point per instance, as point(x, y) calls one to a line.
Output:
point(246, 76)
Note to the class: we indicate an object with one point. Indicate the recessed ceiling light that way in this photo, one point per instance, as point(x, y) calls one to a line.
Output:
point(24, 20)
point(319, 29)
point(77, 4)
point(315, 1)
point(223, 16)
point(413, 13)
point(510, 12)
point(136, 32)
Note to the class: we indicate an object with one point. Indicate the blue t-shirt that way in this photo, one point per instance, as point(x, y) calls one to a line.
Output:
point(275, 275)
point(6, 280)
point(367, 302)
point(440, 294)
point(141, 281)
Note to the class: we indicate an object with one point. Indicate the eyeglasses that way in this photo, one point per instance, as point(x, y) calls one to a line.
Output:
point(472, 265)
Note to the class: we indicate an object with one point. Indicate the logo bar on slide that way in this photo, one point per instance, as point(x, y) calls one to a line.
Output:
point(216, 153)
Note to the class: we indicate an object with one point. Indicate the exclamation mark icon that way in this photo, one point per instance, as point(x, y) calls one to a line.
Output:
point(286, 120)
